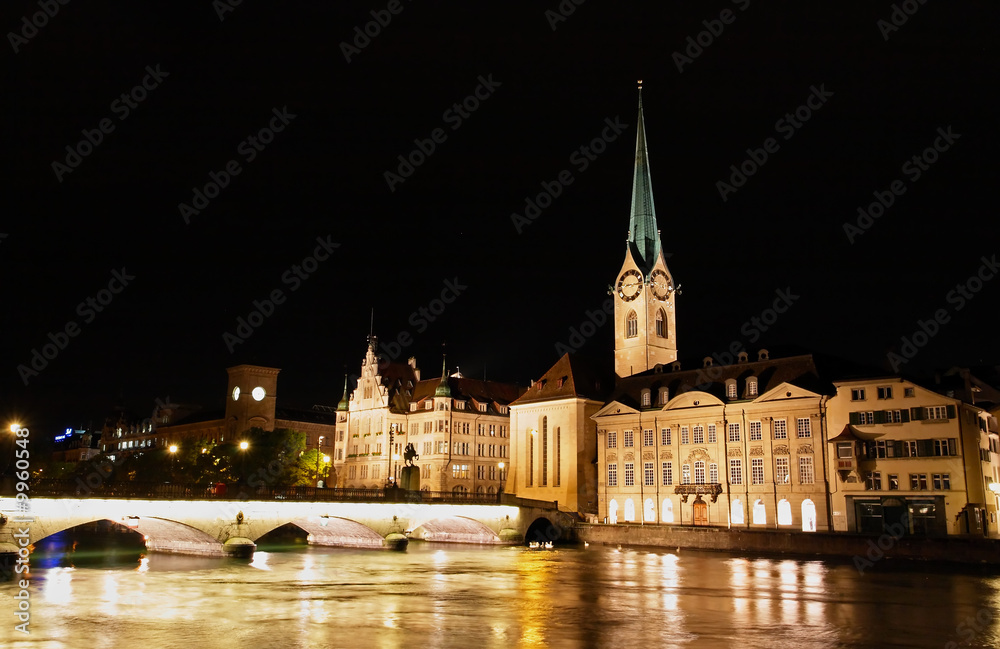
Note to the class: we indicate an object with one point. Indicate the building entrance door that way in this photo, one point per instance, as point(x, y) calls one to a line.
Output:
point(700, 512)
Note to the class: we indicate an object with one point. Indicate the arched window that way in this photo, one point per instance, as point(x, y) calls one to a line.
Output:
point(613, 511)
point(759, 513)
point(668, 510)
point(649, 511)
point(808, 516)
point(731, 389)
point(631, 325)
point(459, 489)
point(737, 513)
point(784, 512)
point(752, 386)
point(490, 490)
point(661, 323)
point(629, 510)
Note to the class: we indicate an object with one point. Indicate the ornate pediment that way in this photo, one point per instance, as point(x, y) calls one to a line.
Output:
point(735, 452)
point(757, 451)
point(612, 457)
point(806, 448)
point(648, 455)
point(666, 455)
point(780, 449)
point(629, 457)
point(698, 454)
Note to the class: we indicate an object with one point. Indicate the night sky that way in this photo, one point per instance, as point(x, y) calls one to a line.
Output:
point(869, 98)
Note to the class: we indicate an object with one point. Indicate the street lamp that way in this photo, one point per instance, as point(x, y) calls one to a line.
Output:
point(319, 444)
point(501, 465)
point(244, 445)
point(173, 452)
point(395, 468)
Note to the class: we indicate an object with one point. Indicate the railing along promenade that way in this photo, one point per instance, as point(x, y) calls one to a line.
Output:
point(51, 488)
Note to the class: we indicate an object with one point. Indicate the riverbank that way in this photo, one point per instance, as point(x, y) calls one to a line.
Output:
point(865, 550)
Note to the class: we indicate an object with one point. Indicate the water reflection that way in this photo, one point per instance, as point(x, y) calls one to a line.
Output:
point(463, 596)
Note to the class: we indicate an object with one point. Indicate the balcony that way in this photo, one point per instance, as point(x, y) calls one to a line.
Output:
point(711, 489)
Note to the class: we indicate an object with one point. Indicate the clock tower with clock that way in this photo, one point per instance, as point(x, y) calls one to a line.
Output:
point(644, 292)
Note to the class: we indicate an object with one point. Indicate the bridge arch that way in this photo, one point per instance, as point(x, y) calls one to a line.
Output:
point(543, 530)
point(336, 531)
point(455, 529)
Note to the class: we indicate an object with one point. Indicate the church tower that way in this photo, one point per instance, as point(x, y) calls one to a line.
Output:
point(644, 292)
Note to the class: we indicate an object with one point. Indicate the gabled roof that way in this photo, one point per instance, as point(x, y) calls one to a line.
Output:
point(571, 376)
point(798, 370)
point(469, 389)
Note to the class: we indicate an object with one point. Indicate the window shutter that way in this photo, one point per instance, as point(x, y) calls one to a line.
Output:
point(904, 415)
point(925, 447)
point(897, 448)
point(869, 448)
point(879, 416)
point(952, 446)
point(951, 411)
point(917, 413)
point(855, 418)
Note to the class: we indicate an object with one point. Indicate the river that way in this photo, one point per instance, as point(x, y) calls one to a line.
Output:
point(438, 595)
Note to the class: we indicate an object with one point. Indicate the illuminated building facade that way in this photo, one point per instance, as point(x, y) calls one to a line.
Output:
point(458, 426)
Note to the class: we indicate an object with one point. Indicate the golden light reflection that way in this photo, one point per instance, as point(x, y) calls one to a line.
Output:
point(143, 564)
point(536, 574)
point(260, 561)
point(112, 592)
point(58, 585)
point(308, 571)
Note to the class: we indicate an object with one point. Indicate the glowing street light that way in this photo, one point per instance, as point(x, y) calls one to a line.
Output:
point(501, 465)
point(244, 445)
point(15, 427)
point(173, 452)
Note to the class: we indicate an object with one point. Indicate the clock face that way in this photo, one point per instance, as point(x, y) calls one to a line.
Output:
point(258, 393)
point(630, 285)
point(236, 393)
point(660, 284)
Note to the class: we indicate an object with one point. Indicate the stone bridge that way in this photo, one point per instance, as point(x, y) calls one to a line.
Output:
point(231, 527)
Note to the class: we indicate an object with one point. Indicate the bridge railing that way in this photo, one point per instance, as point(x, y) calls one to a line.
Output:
point(47, 487)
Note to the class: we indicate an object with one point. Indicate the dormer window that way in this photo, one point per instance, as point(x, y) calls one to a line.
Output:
point(731, 388)
point(459, 405)
point(503, 410)
point(664, 396)
point(428, 405)
point(482, 407)
point(752, 386)
point(645, 398)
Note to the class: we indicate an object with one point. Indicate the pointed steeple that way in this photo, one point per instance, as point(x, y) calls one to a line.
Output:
point(442, 389)
point(344, 403)
point(644, 236)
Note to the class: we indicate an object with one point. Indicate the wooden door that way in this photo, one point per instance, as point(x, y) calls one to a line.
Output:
point(700, 513)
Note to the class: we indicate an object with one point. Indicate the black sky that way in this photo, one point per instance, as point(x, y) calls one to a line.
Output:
point(323, 175)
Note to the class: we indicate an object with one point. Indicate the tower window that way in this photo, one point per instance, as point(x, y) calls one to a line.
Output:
point(631, 325)
point(661, 324)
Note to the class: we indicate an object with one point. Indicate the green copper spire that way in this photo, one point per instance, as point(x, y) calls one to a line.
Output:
point(643, 234)
point(442, 389)
point(344, 404)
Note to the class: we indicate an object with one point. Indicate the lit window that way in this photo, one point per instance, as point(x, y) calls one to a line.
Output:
point(734, 432)
point(612, 439)
point(668, 474)
point(784, 512)
point(645, 398)
point(736, 471)
point(686, 474)
point(648, 474)
point(685, 435)
point(757, 470)
point(731, 389)
point(699, 472)
point(713, 473)
point(612, 475)
point(752, 387)
point(628, 439)
point(737, 513)
point(802, 427)
point(699, 435)
point(806, 474)
point(647, 437)
point(629, 474)
point(631, 325)
point(711, 434)
point(755, 431)
point(759, 513)
point(780, 429)
point(781, 473)
point(665, 436)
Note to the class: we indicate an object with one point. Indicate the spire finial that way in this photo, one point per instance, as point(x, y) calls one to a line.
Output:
point(442, 389)
point(344, 404)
